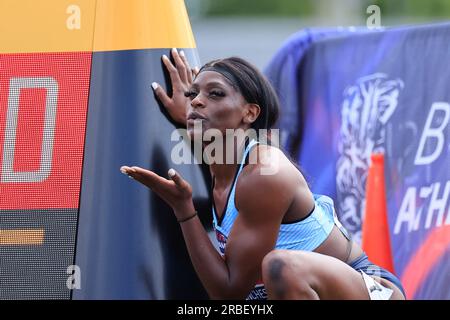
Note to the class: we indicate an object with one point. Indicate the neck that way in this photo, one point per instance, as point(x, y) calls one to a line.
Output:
point(224, 172)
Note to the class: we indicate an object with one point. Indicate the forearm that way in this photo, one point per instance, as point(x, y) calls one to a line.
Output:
point(211, 268)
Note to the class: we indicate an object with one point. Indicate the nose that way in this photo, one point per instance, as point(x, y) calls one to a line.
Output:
point(197, 102)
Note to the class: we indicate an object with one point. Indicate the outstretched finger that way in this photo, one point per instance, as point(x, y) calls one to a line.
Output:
point(173, 73)
point(176, 177)
point(195, 71)
point(146, 177)
point(127, 170)
point(161, 94)
point(187, 66)
point(179, 64)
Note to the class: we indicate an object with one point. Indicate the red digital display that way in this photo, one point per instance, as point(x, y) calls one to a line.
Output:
point(43, 109)
point(30, 130)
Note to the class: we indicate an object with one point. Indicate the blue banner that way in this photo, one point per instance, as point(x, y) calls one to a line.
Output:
point(384, 91)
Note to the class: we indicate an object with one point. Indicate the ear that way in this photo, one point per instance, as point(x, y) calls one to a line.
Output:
point(251, 113)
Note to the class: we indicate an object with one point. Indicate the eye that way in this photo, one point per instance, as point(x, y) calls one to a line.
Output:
point(216, 93)
point(190, 94)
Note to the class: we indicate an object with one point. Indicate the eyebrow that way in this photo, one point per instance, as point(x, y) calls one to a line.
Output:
point(215, 83)
point(210, 84)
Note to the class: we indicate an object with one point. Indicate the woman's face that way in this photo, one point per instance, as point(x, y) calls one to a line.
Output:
point(215, 103)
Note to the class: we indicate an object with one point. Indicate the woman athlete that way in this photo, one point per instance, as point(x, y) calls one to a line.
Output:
point(277, 239)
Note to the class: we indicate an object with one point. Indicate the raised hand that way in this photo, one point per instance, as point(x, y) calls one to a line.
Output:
point(181, 77)
point(176, 192)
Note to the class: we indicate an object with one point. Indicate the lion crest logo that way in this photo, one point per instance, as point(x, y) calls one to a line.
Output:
point(368, 105)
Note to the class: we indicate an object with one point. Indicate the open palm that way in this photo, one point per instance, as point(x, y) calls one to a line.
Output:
point(181, 77)
point(176, 192)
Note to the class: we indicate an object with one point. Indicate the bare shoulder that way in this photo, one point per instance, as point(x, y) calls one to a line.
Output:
point(270, 180)
point(268, 164)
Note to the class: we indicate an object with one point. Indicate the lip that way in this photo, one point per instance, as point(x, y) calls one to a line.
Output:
point(195, 116)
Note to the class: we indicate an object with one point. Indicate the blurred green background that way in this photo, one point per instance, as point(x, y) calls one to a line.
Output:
point(305, 8)
point(255, 29)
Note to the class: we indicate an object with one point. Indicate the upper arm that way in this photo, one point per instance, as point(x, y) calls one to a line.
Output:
point(262, 201)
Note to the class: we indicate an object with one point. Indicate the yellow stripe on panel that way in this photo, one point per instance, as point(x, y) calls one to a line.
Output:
point(46, 25)
point(22, 237)
point(142, 24)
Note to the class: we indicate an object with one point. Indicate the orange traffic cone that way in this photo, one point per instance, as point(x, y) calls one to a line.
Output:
point(375, 231)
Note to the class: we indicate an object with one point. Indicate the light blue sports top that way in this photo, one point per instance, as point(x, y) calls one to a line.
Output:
point(306, 234)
